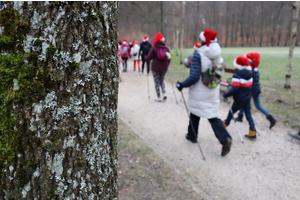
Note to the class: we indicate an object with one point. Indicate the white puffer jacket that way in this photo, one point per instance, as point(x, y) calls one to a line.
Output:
point(203, 101)
point(134, 50)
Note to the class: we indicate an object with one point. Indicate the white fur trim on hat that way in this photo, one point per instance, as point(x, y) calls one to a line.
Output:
point(239, 67)
point(144, 40)
point(162, 39)
point(201, 36)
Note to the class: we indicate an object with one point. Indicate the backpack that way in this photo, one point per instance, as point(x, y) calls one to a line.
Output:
point(212, 75)
point(124, 50)
point(146, 48)
point(161, 53)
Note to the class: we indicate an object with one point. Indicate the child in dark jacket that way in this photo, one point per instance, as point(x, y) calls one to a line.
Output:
point(188, 61)
point(254, 61)
point(242, 92)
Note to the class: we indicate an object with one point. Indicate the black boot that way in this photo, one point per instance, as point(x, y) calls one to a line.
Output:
point(272, 120)
point(239, 118)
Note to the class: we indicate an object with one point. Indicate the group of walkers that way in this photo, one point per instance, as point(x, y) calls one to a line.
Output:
point(136, 51)
point(204, 96)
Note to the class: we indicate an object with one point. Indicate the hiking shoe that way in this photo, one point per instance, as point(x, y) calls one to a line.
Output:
point(157, 99)
point(294, 135)
point(187, 137)
point(225, 125)
point(226, 147)
point(239, 118)
point(165, 96)
point(252, 134)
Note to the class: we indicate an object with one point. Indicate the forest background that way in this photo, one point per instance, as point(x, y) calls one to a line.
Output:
point(238, 23)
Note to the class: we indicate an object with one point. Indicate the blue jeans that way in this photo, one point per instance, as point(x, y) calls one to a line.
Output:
point(258, 106)
point(245, 105)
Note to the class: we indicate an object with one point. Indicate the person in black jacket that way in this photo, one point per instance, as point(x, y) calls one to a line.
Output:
point(241, 91)
point(145, 48)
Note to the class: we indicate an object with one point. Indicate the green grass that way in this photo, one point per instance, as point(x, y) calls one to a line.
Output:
point(272, 68)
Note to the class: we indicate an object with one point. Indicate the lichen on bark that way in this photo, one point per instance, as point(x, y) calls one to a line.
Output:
point(59, 117)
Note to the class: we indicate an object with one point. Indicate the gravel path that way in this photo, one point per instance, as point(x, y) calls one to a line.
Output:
point(267, 168)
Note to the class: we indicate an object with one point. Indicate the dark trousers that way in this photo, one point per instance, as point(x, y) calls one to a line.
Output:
point(124, 63)
point(148, 66)
point(246, 106)
point(217, 125)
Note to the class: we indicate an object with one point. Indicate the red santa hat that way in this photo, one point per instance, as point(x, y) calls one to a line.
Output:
point(197, 45)
point(125, 40)
point(242, 62)
point(208, 36)
point(145, 38)
point(254, 59)
point(158, 37)
point(120, 40)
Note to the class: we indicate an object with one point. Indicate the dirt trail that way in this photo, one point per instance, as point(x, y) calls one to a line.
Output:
point(267, 168)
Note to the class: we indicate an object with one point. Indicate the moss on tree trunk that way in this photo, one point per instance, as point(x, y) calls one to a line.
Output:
point(58, 96)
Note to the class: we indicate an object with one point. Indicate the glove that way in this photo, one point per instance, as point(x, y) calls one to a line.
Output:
point(225, 95)
point(179, 86)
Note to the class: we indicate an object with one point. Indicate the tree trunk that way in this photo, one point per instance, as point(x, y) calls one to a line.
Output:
point(227, 22)
point(261, 24)
point(292, 45)
point(162, 18)
point(197, 23)
point(279, 29)
point(63, 111)
point(182, 30)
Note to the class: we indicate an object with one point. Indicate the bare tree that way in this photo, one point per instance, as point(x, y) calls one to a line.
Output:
point(227, 22)
point(59, 100)
point(292, 44)
point(182, 30)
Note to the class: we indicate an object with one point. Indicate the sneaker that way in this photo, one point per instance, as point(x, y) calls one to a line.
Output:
point(165, 96)
point(294, 135)
point(226, 147)
point(187, 137)
point(157, 99)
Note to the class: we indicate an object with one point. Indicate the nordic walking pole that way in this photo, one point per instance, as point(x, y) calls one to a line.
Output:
point(192, 125)
point(148, 86)
point(234, 121)
point(172, 87)
point(183, 76)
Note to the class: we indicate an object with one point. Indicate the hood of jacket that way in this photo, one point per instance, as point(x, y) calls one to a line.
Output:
point(160, 45)
point(214, 50)
point(244, 73)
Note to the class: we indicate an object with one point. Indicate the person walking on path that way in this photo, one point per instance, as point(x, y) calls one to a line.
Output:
point(135, 55)
point(160, 64)
point(125, 53)
point(204, 101)
point(188, 61)
point(144, 51)
point(254, 61)
point(241, 83)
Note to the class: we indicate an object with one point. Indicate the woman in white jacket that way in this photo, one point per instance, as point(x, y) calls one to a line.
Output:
point(135, 55)
point(204, 101)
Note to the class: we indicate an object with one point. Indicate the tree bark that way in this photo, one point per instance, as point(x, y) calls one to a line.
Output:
point(292, 44)
point(182, 31)
point(67, 134)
